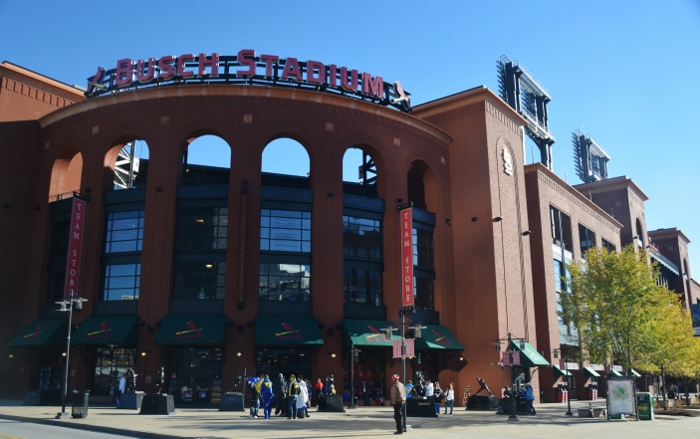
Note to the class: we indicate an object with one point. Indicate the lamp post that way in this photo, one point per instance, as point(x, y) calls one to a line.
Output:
point(513, 416)
point(568, 386)
point(67, 306)
point(568, 381)
point(353, 352)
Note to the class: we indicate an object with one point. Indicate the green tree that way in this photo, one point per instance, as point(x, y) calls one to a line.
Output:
point(673, 350)
point(612, 303)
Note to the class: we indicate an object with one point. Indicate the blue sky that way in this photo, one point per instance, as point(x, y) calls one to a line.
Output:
point(624, 72)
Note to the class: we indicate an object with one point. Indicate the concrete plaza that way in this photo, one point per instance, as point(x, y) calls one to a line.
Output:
point(550, 422)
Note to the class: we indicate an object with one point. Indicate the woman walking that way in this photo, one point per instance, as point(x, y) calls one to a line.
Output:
point(449, 398)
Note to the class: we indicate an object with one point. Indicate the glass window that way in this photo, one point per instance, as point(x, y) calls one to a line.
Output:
point(285, 231)
point(199, 280)
point(587, 238)
point(424, 293)
point(362, 238)
point(423, 254)
point(59, 240)
point(201, 228)
point(194, 375)
point(561, 228)
point(608, 245)
point(284, 282)
point(109, 363)
point(121, 282)
point(362, 286)
point(561, 276)
point(124, 232)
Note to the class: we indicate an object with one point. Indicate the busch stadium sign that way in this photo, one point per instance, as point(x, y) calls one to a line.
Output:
point(247, 68)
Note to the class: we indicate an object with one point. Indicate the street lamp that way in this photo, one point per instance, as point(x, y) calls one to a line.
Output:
point(353, 353)
point(67, 305)
point(568, 380)
point(513, 416)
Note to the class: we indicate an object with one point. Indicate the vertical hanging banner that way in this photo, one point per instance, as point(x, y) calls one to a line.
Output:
point(410, 348)
point(75, 247)
point(396, 345)
point(516, 358)
point(407, 298)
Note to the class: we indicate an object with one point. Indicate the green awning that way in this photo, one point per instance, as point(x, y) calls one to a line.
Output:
point(367, 333)
point(615, 373)
point(193, 330)
point(559, 372)
point(528, 355)
point(41, 333)
point(274, 330)
point(635, 373)
point(590, 372)
point(107, 330)
point(437, 337)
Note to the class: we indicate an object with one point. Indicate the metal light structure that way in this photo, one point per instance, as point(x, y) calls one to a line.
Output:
point(568, 380)
point(353, 353)
point(513, 416)
point(67, 306)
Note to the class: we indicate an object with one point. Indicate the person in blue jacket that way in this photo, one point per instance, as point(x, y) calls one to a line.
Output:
point(267, 396)
point(530, 398)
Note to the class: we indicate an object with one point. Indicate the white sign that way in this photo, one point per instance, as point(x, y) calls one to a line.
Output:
point(620, 397)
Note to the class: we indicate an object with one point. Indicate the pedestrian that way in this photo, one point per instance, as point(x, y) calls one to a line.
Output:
point(318, 387)
point(280, 390)
point(530, 398)
point(365, 393)
point(429, 389)
point(437, 398)
point(450, 397)
point(304, 399)
point(410, 391)
point(293, 395)
point(254, 384)
point(398, 399)
point(267, 396)
point(122, 387)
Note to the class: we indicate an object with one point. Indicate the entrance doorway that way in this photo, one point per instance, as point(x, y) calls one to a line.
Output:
point(195, 375)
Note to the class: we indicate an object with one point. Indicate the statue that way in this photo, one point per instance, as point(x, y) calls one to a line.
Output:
point(130, 380)
point(160, 377)
point(236, 382)
point(482, 386)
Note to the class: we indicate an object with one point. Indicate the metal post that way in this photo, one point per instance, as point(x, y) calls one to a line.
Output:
point(568, 386)
point(513, 412)
point(403, 361)
point(352, 375)
point(63, 412)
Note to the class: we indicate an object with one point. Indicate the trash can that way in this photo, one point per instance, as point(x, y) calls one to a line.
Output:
point(231, 402)
point(645, 406)
point(80, 404)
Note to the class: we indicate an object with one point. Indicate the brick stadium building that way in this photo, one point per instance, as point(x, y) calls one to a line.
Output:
point(213, 272)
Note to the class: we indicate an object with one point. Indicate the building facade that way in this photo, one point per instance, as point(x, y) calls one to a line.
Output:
point(214, 272)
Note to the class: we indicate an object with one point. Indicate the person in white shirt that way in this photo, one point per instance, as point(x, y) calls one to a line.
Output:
point(122, 386)
point(304, 399)
point(449, 398)
point(429, 389)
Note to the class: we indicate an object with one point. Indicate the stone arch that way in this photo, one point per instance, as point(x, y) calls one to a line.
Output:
point(66, 172)
point(422, 185)
point(373, 172)
point(201, 129)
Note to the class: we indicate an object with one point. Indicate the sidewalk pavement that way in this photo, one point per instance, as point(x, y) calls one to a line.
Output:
point(361, 422)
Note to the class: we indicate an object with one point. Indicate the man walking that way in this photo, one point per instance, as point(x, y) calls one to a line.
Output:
point(280, 390)
point(398, 399)
point(293, 395)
